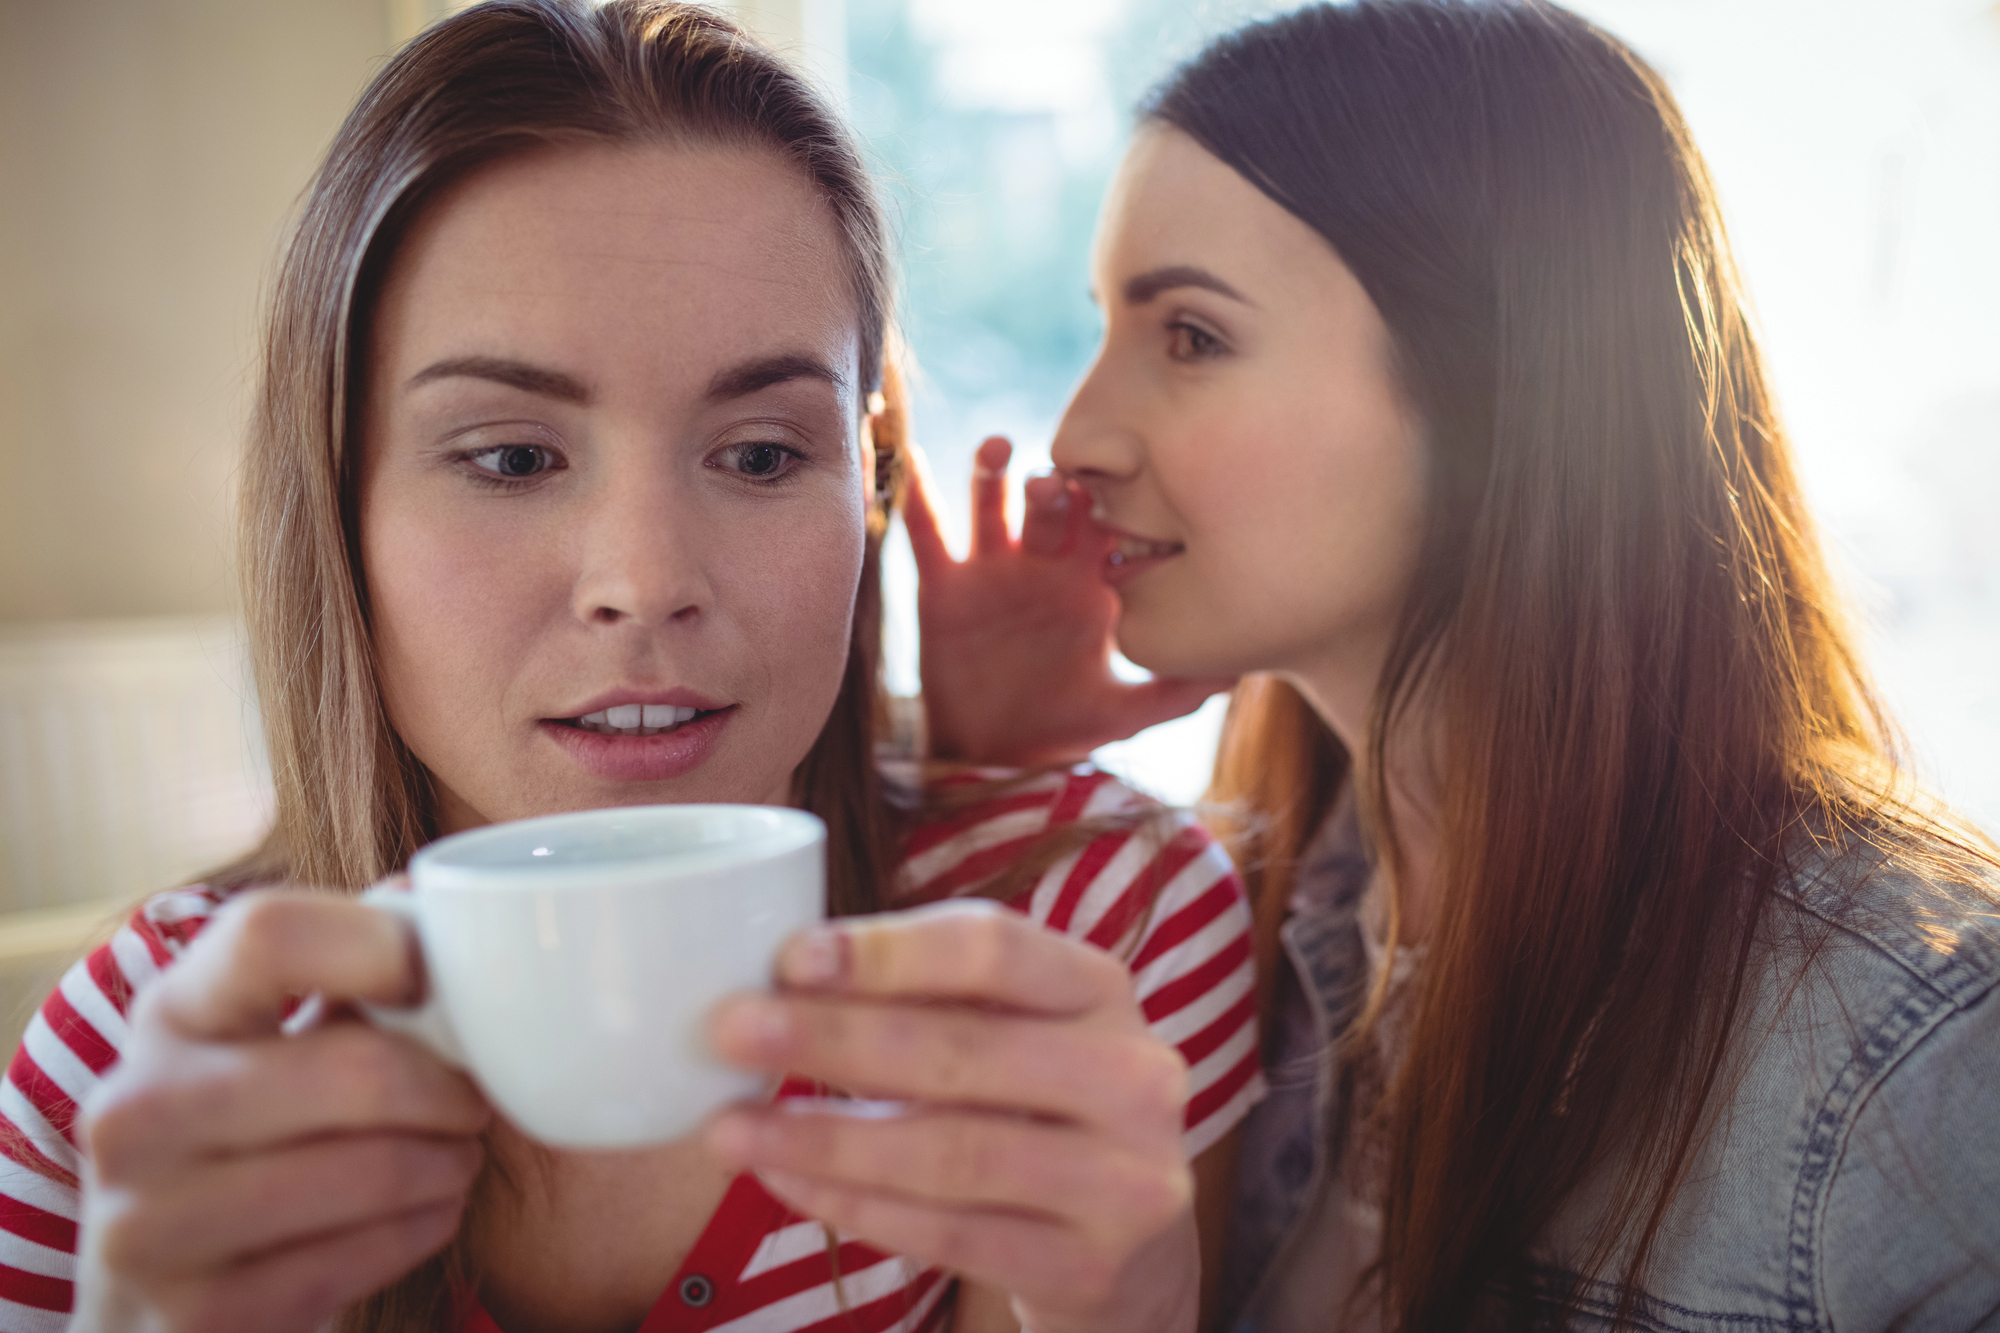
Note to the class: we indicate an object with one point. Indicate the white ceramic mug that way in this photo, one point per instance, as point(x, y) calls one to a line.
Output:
point(572, 959)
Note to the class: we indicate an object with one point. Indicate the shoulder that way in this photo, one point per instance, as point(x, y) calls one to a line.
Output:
point(1912, 1197)
point(1935, 927)
point(70, 1044)
point(1895, 1021)
point(80, 1028)
point(1115, 868)
point(1105, 858)
point(1853, 1165)
point(1850, 1179)
point(1879, 981)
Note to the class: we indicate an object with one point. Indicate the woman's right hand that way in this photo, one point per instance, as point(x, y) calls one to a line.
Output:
point(240, 1178)
point(1017, 637)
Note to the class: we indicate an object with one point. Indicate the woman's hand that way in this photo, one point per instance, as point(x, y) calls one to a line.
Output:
point(1040, 1152)
point(1017, 637)
point(239, 1178)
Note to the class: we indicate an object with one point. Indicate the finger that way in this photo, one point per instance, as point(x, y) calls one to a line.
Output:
point(1046, 520)
point(1163, 699)
point(959, 1056)
point(149, 1118)
point(1027, 1255)
point(989, 497)
point(301, 1286)
point(268, 947)
point(965, 950)
point(960, 1159)
point(239, 1207)
point(920, 521)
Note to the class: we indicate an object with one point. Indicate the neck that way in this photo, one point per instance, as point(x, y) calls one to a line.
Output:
point(1343, 698)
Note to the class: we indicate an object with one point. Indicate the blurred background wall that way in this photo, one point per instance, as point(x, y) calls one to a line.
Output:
point(152, 152)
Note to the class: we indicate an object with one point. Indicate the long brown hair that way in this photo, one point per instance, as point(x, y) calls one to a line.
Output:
point(1647, 700)
point(502, 78)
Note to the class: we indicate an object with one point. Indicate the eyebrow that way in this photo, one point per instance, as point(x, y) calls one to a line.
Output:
point(1146, 286)
point(514, 374)
point(743, 380)
point(736, 382)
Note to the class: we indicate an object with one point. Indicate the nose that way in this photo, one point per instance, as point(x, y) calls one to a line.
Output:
point(641, 557)
point(1097, 442)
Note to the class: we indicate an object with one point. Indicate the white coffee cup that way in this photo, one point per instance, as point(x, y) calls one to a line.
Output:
point(571, 959)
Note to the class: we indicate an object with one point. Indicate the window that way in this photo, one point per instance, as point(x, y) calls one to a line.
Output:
point(1858, 155)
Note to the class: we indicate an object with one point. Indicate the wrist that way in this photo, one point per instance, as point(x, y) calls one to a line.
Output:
point(1159, 1292)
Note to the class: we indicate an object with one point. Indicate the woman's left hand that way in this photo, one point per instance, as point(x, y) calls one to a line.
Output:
point(1041, 1150)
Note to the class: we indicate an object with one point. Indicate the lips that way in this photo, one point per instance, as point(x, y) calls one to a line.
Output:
point(632, 736)
point(1132, 555)
point(1130, 549)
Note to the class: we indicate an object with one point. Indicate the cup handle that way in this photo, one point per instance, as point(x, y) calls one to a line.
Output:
point(427, 1021)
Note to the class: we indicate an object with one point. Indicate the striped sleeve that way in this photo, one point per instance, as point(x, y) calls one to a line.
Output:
point(72, 1040)
point(1153, 888)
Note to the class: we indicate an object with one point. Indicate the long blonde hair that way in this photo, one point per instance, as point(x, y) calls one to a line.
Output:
point(505, 77)
point(352, 802)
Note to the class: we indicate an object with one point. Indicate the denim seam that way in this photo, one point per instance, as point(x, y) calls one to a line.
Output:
point(1915, 1016)
point(1958, 981)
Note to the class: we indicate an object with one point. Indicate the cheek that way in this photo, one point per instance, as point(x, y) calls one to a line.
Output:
point(452, 603)
point(793, 595)
point(1304, 531)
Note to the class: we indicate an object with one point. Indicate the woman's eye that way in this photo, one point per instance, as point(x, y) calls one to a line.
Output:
point(1190, 342)
point(761, 461)
point(514, 462)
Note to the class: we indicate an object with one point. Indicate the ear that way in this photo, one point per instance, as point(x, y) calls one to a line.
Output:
point(873, 509)
point(885, 446)
point(871, 425)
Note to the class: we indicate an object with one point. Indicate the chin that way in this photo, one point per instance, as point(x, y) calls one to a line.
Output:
point(1176, 650)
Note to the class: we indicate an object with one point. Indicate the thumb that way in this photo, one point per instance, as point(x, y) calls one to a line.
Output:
point(267, 947)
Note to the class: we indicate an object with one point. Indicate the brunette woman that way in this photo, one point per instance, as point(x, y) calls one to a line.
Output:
point(1617, 976)
point(563, 492)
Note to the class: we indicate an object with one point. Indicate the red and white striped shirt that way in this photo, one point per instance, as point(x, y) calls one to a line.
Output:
point(1163, 897)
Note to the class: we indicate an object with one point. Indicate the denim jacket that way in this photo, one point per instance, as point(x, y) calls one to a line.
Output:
point(1852, 1183)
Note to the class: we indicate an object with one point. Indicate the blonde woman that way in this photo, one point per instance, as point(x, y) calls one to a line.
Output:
point(562, 493)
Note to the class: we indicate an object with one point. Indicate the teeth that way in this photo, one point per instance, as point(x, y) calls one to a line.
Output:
point(636, 719)
point(1138, 548)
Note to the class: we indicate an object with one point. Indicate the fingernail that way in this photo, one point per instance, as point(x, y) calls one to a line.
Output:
point(755, 1022)
point(816, 957)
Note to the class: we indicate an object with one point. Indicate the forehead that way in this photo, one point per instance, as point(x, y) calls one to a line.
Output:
point(592, 247)
point(1172, 201)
